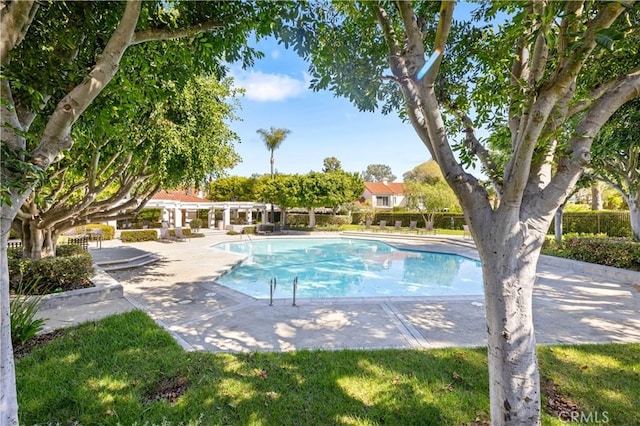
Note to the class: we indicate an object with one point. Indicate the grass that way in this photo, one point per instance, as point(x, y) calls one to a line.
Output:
point(126, 370)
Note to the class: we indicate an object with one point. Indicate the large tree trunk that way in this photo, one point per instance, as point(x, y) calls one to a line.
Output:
point(8, 393)
point(9, 400)
point(509, 257)
point(36, 242)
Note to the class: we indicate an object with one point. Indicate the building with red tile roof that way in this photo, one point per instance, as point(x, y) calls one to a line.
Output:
point(385, 194)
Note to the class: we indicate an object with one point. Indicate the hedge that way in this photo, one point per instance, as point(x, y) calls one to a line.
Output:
point(139, 235)
point(185, 231)
point(613, 224)
point(108, 231)
point(442, 220)
point(618, 252)
point(70, 269)
point(301, 220)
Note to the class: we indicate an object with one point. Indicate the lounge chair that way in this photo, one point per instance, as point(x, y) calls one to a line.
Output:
point(179, 235)
point(398, 225)
point(413, 226)
point(383, 225)
point(164, 233)
point(367, 224)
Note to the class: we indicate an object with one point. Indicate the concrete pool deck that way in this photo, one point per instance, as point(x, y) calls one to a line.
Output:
point(574, 302)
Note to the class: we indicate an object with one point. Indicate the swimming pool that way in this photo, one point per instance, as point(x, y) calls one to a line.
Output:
point(343, 267)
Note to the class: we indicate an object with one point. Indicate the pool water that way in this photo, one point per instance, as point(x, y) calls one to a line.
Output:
point(342, 267)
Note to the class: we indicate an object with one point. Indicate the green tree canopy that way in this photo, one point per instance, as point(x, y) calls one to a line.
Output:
point(427, 172)
point(331, 164)
point(522, 71)
point(378, 173)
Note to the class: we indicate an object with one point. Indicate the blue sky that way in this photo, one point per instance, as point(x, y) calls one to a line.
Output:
point(277, 95)
point(321, 125)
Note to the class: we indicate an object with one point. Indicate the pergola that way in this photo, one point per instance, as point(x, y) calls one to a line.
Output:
point(178, 208)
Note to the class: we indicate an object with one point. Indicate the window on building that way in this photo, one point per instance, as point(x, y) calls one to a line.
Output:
point(382, 201)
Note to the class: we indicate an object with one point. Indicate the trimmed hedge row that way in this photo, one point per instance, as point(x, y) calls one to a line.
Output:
point(617, 252)
point(70, 269)
point(442, 220)
point(139, 235)
point(108, 231)
point(302, 220)
point(613, 224)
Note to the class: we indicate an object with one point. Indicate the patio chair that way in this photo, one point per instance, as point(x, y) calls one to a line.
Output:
point(164, 233)
point(367, 224)
point(413, 226)
point(397, 225)
point(179, 235)
point(383, 225)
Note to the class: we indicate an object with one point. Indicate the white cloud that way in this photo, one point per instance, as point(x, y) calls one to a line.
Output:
point(275, 54)
point(263, 87)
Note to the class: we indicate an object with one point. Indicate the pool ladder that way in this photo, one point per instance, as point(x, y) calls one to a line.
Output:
point(273, 282)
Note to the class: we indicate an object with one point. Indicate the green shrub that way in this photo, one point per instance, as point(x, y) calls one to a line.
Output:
point(197, 235)
point(22, 310)
point(108, 231)
point(249, 230)
point(195, 224)
point(302, 220)
point(185, 231)
point(69, 270)
point(139, 235)
point(233, 233)
point(618, 252)
point(69, 250)
point(613, 224)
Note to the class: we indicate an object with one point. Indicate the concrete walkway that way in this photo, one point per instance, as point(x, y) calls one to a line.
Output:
point(574, 303)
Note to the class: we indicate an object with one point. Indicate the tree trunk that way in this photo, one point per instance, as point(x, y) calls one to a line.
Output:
point(596, 196)
point(36, 242)
point(634, 214)
point(312, 218)
point(509, 257)
point(8, 393)
point(557, 224)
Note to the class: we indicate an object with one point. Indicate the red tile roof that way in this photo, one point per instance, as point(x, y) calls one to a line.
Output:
point(380, 188)
point(178, 196)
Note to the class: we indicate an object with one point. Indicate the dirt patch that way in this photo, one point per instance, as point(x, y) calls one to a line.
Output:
point(169, 390)
point(556, 404)
point(34, 342)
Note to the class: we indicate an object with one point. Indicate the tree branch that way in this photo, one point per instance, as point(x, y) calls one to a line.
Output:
point(15, 20)
point(571, 167)
point(168, 34)
point(56, 136)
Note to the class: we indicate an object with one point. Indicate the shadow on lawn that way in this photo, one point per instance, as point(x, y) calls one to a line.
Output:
point(127, 370)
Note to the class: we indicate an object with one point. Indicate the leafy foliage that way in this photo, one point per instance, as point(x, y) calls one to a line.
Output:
point(378, 173)
point(70, 270)
point(602, 250)
point(22, 311)
point(138, 235)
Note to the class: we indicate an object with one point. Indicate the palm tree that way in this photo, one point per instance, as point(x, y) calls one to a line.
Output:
point(273, 138)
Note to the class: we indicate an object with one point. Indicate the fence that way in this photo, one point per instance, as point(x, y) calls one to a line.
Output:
point(82, 241)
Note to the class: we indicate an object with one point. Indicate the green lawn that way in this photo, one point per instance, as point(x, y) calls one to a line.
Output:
point(126, 370)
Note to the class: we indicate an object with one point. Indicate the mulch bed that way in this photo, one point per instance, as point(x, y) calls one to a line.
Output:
point(34, 342)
